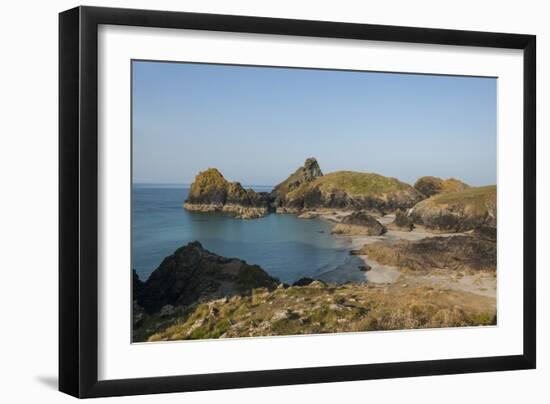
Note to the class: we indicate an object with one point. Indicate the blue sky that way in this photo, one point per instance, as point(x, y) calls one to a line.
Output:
point(258, 124)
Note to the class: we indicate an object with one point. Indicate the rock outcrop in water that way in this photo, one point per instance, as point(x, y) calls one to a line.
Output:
point(458, 211)
point(211, 192)
point(452, 206)
point(193, 274)
point(305, 190)
point(359, 223)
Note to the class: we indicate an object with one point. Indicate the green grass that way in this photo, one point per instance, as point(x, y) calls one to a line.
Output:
point(477, 197)
point(208, 181)
point(434, 185)
point(354, 183)
point(328, 308)
point(211, 177)
point(454, 185)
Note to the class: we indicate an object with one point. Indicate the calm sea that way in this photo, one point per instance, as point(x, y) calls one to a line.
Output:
point(285, 246)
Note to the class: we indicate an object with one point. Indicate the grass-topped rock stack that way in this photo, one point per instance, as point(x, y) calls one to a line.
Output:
point(211, 192)
point(303, 175)
point(348, 190)
point(305, 190)
point(402, 222)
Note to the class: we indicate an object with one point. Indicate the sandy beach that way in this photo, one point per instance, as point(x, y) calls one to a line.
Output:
point(482, 283)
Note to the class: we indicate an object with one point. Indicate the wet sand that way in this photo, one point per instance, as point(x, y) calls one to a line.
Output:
point(350, 271)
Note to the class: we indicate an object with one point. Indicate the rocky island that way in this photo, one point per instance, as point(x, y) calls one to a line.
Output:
point(308, 189)
point(305, 190)
point(211, 192)
point(432, 203)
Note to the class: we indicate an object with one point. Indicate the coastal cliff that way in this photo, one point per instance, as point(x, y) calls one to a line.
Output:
point(458, 211)
point(211, 192)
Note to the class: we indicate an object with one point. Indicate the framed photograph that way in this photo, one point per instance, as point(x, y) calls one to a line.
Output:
point(250, 201)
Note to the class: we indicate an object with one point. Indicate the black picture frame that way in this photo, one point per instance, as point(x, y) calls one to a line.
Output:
point(78, 201)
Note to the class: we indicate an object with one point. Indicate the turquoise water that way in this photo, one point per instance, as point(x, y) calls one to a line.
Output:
point(285, 246)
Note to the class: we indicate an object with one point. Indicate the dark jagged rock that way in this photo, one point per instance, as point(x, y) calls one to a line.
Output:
point(365, 268)
point(303, 175)
point(138, 314)
point(486, 232)
point(193, 274)
point(137, 286)
point(211, 192)
point(453, 252)
point(401, 222)
point(303, 281)
point(458, 211)
point(360, 223)
point(430, 186)
point(362, 218)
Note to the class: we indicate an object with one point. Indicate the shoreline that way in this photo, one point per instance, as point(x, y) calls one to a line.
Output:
point(482, 283)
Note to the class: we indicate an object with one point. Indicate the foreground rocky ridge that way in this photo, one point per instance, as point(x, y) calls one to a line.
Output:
point(320, 308)
point(193, 274)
